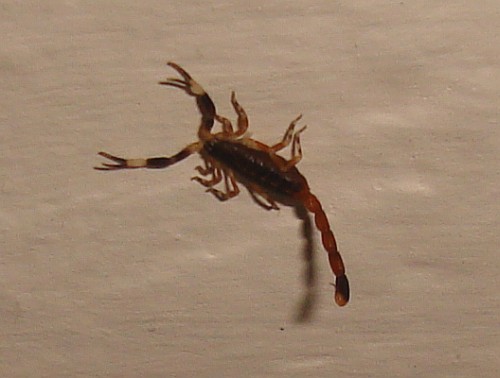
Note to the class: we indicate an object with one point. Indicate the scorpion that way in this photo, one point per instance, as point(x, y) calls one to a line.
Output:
point(231, 156)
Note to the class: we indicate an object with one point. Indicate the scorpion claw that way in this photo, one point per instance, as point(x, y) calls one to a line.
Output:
point(188, 85)
point(109, 167)
point(112, 157)
point(121, 163)
point(181, 71)
point(175, 83)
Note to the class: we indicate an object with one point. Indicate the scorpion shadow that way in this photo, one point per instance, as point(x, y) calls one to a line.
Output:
point(308, 301)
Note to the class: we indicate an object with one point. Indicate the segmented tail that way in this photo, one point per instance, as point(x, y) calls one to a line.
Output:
point(341, 283)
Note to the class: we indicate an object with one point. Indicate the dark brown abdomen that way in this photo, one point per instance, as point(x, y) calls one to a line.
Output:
point(255, 167)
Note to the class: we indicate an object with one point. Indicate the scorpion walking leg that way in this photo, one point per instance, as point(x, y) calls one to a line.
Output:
point(203, 100)
point(287, 138)
point(254, 191)
point(296, 150)
point(207, 170)
point(307, 304)
point(230, 192)
point(156, 162)
point(216, 178)
point(227, 127)
point(242, 116)
point(337, 265)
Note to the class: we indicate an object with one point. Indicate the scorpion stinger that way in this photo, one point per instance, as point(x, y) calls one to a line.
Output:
point(232, 157)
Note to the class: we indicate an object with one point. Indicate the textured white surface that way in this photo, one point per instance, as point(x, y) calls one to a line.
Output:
point(140, 273)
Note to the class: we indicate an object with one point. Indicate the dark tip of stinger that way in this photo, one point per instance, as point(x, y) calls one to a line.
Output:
point(342, 291)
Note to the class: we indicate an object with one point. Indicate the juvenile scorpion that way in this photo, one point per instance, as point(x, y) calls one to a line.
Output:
point(232, 157)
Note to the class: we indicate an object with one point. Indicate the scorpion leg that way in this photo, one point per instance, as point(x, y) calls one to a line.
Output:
point(230, 192)
point(242, 116)
point(156, 162)
point(227, 127)
point(205, 171)
point(216, 178)
point(203, 100)
point(270, 205)
point(287, 138)
point(296, 150)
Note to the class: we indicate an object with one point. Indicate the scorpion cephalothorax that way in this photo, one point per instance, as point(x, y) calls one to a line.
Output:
point(231, 157)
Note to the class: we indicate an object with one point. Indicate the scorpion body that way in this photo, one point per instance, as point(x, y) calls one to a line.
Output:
point(256, 167)
point(232, 157)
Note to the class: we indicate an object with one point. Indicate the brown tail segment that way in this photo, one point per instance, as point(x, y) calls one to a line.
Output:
point(341, 283)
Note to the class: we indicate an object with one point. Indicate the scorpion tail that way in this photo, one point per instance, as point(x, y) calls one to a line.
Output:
point(328, 239)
